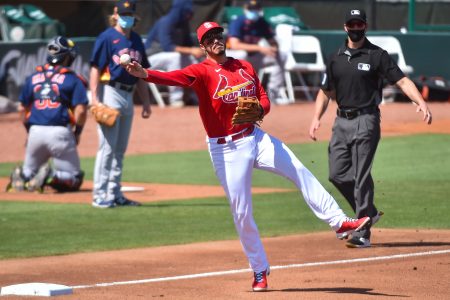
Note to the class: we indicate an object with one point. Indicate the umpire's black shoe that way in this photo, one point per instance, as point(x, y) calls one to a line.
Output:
point(358, 242)
point(122, 201)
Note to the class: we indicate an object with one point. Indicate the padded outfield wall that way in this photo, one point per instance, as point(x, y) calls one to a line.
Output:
point(426, 52)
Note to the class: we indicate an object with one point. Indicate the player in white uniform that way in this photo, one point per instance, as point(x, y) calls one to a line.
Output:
point(236, 150)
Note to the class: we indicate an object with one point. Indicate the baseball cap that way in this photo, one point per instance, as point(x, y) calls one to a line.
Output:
point(355, 14)
point(205, 27)
point(252, 5)
point(126, 7)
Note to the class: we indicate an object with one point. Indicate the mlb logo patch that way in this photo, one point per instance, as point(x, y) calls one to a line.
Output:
point(208, 25)
point(363, 67)
point(355, 12)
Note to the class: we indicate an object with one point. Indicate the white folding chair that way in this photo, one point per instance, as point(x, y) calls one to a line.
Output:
point(392, 45)
point(156, 94)
point(303, 45)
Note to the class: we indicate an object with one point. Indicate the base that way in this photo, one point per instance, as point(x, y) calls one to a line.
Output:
point(36, 289)
point(132, 189)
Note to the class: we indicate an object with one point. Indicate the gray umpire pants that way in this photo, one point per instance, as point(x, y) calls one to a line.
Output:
point(351, 152)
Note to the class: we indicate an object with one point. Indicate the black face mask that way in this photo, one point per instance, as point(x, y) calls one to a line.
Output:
point(356, 35)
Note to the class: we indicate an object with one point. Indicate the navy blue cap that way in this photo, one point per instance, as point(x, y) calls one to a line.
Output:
point(126, 7)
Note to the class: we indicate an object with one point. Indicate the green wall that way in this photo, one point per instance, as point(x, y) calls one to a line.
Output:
point(428, 53)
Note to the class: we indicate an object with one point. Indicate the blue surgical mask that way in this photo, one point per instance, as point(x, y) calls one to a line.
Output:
point(252, 15)
point(126, 22)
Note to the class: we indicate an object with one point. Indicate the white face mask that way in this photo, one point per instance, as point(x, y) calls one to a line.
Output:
point(252, 15)
point(126, 22)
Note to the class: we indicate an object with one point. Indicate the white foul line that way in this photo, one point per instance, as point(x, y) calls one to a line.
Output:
point(221, 273)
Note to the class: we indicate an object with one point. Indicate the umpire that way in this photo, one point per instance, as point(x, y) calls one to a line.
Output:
point(354, 78)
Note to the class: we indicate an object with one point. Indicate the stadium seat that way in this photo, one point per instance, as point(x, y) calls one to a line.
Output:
point(305, 56)
point(274, 15)
point(157, 94)
point(27, 22)
point(392, 45)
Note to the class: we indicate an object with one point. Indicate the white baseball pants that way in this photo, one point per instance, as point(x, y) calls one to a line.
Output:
point(233, 163)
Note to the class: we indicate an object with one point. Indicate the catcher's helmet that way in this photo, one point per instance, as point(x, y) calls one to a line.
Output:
point(60, 47)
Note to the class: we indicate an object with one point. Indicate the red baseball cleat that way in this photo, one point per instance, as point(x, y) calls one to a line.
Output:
point(350, 225)
point(260, 281)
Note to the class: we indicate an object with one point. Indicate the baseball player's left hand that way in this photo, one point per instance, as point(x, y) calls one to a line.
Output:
point(146, 111)
point(315, 124)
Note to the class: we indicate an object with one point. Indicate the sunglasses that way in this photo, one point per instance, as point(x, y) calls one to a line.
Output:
point(211, 37)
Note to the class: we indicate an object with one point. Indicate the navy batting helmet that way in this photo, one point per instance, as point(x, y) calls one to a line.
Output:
point(59, 48)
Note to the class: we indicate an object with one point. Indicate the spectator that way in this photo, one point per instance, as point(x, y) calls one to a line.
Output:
point(170, 46)
point(249, 33)
point(118, 87)
point(53, 109)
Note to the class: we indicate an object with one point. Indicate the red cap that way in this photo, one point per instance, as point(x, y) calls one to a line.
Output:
point(205, 27)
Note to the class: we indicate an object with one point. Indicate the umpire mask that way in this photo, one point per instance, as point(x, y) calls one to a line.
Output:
point(59, 48)
point(356, 35)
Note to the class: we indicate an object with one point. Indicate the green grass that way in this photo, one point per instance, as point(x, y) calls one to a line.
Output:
point(412, 186)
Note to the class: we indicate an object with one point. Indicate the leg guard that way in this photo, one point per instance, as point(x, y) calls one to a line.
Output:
point(70, 185)
point(37, 183)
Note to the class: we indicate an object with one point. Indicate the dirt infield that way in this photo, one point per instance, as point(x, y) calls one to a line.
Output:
point(402, 263)
point(175, 272)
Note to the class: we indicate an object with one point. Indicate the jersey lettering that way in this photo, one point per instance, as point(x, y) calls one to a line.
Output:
point(58, 78)
point(38, 78)
point(229, 94)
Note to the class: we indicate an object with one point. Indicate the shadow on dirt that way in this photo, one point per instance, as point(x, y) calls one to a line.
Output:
point(410, 244)
point(343, 290)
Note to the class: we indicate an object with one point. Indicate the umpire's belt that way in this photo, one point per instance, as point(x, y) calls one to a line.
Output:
point(121, 86)
point(352, 113)
point(237, 136)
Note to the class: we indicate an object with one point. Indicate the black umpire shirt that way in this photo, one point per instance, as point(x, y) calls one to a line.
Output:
point(357, 75)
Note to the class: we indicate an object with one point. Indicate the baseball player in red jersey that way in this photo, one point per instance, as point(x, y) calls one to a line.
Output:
point(236, 150)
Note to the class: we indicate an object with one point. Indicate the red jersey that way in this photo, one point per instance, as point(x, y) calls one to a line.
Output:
point(217, 87)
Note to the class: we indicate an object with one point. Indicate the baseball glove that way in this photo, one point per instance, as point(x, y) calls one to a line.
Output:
point(104, 114)
point(248, 110)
